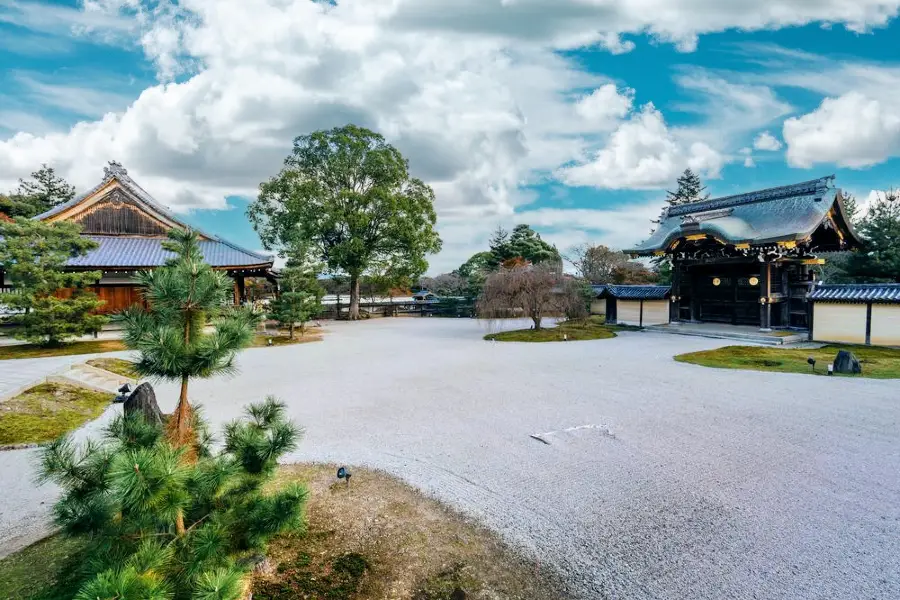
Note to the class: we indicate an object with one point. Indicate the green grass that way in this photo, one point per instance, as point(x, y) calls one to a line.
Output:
point(877, 363)
point(119, 366)
point(592, 328)
point(48, 410)
point(72, 348)
point(43, 571)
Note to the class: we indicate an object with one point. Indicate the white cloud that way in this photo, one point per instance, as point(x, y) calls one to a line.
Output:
point(472, 91)
point(851, 130)
point(605, 106)
point(72, 97)
point(102, 25)
point(730, 108)
point(642, 154)
point(767, 142)
point(573, 23)
point(477, 116)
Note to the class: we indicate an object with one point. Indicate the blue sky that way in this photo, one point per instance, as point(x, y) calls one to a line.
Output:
point(568, 115)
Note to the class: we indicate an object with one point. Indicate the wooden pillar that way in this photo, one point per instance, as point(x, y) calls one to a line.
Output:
point(695, 298)
point(868, 324)
point(675, 303)
point(239, 293)
point(786, 294)
point(765, 291)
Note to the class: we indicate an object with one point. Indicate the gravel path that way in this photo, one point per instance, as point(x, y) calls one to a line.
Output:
point(660, 480)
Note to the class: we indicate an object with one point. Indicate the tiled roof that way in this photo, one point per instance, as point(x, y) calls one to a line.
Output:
point(634, 292)
point(857, 292)
point(121, 175)
point(786, 213)
point(142, 252)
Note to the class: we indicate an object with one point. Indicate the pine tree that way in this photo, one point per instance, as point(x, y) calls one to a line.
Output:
point(183, 296)
point(851, 207)
point(55, 304)
point(124, 496)
point(690, 189)
point(524, 245)
point(45, 188)
point(879, 260)
point(300, 298)
point(499, 248)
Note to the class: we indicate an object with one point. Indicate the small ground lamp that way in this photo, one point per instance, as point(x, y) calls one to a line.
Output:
point(124, 392)
point(831, 369)
point(344, 474)
point(812, 362)
point(269, 341)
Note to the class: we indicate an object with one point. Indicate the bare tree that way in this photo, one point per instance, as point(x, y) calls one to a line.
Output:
point(597, 264)
point(633, 272)
point(533, 291)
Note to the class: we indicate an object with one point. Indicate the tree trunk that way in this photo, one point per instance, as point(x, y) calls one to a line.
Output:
point(291, 329)
point(537, 322)
point(179, 523)
point(180, 425)
point(354, 298)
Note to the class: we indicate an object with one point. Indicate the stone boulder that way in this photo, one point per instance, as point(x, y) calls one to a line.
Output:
point(143, 400)
point(846, 362)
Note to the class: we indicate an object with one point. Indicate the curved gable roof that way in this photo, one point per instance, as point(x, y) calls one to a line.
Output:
point(786, 213)
point(142, 251)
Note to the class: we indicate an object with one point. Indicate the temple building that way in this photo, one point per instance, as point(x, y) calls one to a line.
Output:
point(129, 227)
point(746, 259)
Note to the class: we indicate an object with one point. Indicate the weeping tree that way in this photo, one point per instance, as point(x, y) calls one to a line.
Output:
point(171, 335)
point(159, 527)
point(532, 291)
point(348, 193)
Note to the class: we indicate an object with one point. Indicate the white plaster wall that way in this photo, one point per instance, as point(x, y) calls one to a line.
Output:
point(834, 322)
point(886, 325)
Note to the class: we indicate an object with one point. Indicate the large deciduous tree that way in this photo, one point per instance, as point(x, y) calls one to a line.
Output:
point(596, 263)
point(349, 194)
point(474, 271)
point(54, 303)
point(879, 260)
point(183, 296)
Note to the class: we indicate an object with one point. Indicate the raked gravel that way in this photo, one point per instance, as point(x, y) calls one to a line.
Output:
point(651, 478)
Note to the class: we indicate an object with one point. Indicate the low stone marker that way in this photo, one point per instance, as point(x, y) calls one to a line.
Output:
point(143, 400)
point(846, 362)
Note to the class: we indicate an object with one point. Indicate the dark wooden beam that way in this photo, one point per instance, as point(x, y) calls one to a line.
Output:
point(675, 303)
point(765, 291)
point(868, 324)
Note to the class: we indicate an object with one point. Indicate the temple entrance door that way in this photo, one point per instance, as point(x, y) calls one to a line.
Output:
point(728, 294)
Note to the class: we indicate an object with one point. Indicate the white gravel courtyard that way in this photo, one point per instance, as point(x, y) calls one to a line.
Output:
point(660, 480)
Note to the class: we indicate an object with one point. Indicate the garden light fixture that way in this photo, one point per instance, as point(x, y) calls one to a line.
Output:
point(344, 474)
point(124, 392)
